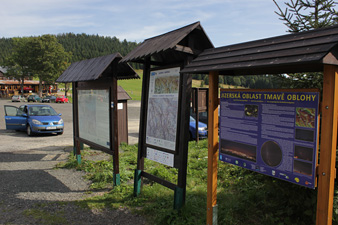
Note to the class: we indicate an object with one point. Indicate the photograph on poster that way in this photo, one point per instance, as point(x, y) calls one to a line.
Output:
point(251, 110)
point(166, 85)
point(271, 153)
point(304, 153)
point(271, 132)
point(302, 167)
point(305, 135)
point(240, 150)
point(305, 117)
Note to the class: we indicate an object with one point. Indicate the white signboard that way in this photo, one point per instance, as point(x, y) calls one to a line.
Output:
point(160, 157)
point(163, 108)
point(94, 116)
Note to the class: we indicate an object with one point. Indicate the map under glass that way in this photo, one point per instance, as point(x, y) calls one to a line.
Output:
point(163, 108)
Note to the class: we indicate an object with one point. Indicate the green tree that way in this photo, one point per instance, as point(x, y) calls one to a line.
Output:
point(237, 81)
point(304, 15)
point(206, 80)
point(220, 80)
point(49, 59)
point(18, 63)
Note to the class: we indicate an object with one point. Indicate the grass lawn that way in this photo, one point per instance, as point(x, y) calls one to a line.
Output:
point(133, 87)
point(243, 197)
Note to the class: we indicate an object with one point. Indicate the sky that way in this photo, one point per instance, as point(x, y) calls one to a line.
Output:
point(225, 21)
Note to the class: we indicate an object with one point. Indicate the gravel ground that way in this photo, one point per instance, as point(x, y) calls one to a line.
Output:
point(32, 191)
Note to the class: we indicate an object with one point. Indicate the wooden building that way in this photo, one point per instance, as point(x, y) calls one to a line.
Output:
point(9, 88)
point(122, 110)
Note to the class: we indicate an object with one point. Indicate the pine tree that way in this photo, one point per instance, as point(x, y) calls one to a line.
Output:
point(304, 15)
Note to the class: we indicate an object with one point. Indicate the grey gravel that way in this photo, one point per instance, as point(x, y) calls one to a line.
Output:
point(32, 191)
point(30, 185)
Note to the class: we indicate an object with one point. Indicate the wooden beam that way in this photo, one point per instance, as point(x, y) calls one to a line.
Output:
point(326, 169)
point(186, 49)
point(212, 148)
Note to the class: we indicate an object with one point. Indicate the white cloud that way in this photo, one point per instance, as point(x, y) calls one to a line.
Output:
point(135, 20)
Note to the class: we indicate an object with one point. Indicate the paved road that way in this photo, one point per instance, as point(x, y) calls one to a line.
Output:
point(17, 141)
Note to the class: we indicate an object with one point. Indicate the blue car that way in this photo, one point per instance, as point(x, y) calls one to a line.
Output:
point(202, 129)
point(34, 119)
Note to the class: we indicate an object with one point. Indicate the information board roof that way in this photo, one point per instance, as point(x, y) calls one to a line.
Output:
point(92, 69)
point(171, 46)
point(298, 52)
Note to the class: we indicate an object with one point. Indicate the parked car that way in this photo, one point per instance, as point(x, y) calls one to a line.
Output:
point(202, 129)
point(33, 98)
point(34, 119)
point(62, 99)
point(49, 98)
point(202, 116)
point(18, 98)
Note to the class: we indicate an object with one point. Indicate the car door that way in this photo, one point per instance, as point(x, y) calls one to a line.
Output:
point(15, 118)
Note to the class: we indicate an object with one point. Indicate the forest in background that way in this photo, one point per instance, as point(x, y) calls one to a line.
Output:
point(82, 46)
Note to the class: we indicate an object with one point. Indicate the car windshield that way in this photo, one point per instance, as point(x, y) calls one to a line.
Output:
point(41, 111)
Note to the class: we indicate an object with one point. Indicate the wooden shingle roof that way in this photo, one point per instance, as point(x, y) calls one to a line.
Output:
point(92, 69)
point(171, 46)
point(298, 52)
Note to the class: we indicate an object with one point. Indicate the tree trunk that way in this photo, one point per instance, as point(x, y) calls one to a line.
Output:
point(21, 84)
point(40, 88)
point(66, 89)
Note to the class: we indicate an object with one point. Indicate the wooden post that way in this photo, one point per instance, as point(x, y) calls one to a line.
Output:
point(212, 149)
point(115, 139)
point(182, 141)
point(197, 114)
point(75, 123)
point(328, 144)
point(142, 128)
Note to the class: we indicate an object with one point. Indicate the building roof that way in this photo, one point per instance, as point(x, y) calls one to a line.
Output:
point(298, 52)
point(3, 70)
point(122, 94)
point(172, 46)
point(14, 82)
point(92, 69)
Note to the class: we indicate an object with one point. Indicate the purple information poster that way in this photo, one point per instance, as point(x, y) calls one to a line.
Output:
point(271, 132)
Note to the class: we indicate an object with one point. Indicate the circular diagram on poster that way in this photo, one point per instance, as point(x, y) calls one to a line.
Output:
point(271, 153)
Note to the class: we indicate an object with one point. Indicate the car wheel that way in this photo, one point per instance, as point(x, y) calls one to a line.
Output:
point(190, 137)
point(29, 131)
point(60, 133)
